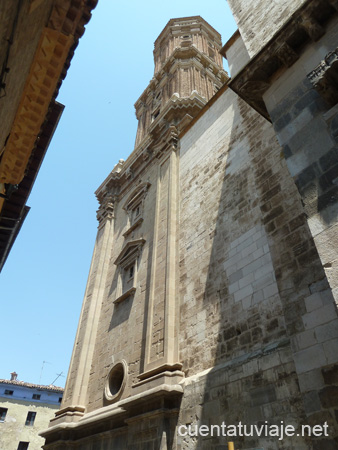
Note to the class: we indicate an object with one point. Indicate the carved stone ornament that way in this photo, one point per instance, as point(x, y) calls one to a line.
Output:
point(106, 208)
point(129, 173)
point(147, 154)
point(324, 78)
point(168, 141)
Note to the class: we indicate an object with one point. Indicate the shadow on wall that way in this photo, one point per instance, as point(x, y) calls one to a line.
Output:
point(307, 128)
point(262, 260)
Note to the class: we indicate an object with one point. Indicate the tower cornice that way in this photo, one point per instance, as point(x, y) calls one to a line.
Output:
point(181, 24)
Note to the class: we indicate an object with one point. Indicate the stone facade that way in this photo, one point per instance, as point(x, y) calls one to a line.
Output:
point(211, 295)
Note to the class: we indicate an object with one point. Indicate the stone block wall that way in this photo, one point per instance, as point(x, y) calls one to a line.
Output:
point(258, 21)
point(306, 128)
point(236, 54)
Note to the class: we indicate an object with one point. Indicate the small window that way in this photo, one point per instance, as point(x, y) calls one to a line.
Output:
point(155, 115)
point(134, 207)
point(36, 397)
point(30, 419)
point(128, 278)
point(211, 54)
point(135, 213)
point(60, 399)
point(3, 412)
point(23, 445)
point(127, 263)
point(8, 392)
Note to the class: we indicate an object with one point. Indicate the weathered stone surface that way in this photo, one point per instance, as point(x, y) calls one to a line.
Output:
point(257, 23)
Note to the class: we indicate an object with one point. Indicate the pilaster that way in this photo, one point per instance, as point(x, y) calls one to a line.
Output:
point(75, 397)
point(161, 346)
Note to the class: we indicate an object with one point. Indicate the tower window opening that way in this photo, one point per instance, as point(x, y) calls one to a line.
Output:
point(155, 115)
point(211, 53)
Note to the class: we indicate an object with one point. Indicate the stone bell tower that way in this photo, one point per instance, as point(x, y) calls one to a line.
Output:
point(125, 370)
point(188, 72)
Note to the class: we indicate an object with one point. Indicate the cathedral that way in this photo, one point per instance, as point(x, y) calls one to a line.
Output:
point(210, 313)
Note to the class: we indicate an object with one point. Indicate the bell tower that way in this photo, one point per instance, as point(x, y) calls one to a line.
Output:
point(188, 72)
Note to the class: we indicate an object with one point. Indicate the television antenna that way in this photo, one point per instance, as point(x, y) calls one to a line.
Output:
point(43, 363)
point(58, 376)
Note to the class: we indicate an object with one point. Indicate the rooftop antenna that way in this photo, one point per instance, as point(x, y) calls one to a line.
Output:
point(58, 376)
point(43, 363)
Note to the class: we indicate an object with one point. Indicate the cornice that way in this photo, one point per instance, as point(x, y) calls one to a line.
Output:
point(49, 66)
point(161, 399)
point(150, 150)
point(306, 25)
point(184, 22)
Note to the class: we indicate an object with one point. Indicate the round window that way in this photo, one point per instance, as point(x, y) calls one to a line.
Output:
point(116, 381)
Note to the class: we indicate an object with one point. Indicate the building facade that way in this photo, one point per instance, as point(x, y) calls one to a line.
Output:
point(211, 297)
point(25, 410)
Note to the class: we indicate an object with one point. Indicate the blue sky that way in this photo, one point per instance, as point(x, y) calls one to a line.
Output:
point(44, 278)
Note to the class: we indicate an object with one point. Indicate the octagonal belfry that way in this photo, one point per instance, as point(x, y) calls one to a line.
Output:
point(188, 72)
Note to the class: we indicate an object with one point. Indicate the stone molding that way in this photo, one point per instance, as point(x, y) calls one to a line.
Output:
point(146, 153)
point(137, 196)
point(115, 382)
point(164, 396)
point(129, 252)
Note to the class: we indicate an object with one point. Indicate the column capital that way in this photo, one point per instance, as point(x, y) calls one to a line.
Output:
point(106, 208)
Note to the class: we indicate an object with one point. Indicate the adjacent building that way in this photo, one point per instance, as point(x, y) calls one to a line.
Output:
point(38, 39)
point(211, 297)
point(25, 410)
